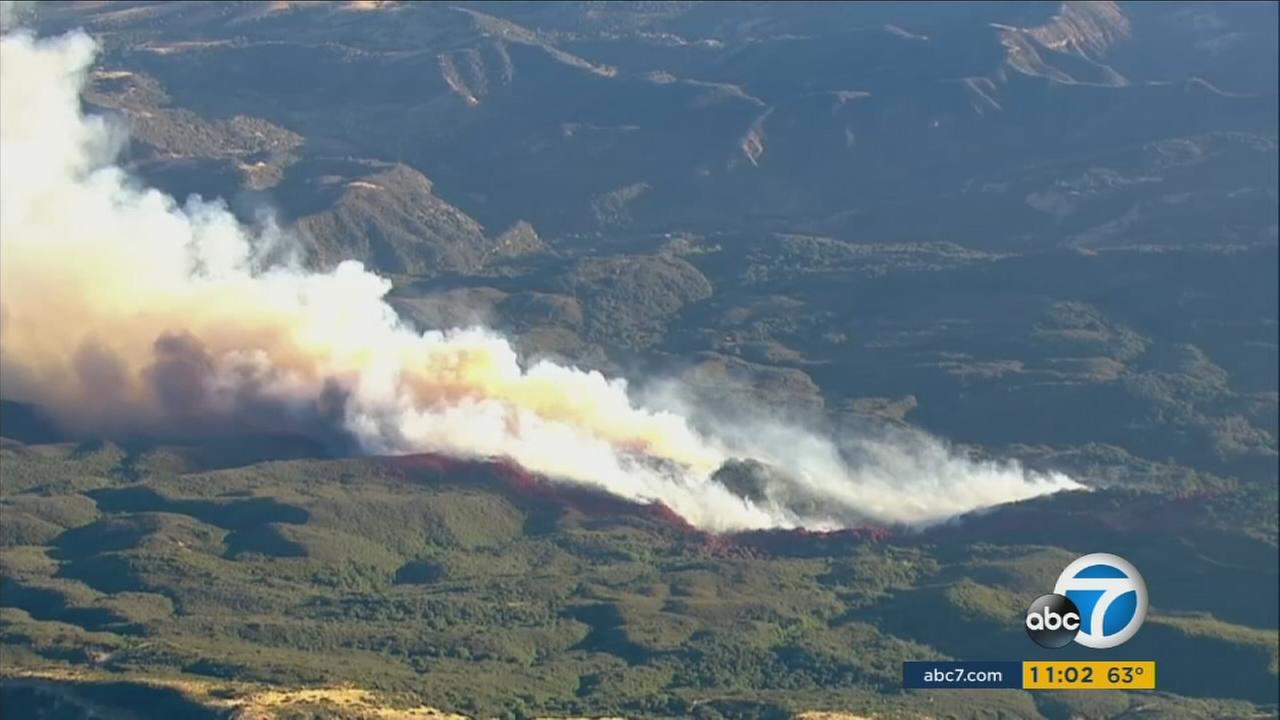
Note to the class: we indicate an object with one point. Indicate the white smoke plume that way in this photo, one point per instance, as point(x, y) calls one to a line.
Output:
point(10, 11)
point(123, 311)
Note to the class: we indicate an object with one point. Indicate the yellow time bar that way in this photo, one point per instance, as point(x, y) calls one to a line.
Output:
point(1089, 675)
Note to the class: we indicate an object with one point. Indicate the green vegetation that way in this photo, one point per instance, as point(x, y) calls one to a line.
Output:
point(852, 213)
point(460, 592)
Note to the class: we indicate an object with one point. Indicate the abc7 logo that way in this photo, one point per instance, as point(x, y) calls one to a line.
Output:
point(1099, 601)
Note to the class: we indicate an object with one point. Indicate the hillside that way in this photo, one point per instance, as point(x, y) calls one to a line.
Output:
point(938, 242)
point(478, 589)
point(1060, 121)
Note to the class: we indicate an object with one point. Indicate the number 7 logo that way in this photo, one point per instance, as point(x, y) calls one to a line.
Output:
point(1111, 597)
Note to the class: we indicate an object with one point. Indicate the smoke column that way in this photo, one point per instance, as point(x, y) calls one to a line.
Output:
point(123, 311)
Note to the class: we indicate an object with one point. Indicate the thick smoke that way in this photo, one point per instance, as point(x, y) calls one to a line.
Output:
point(122, 311)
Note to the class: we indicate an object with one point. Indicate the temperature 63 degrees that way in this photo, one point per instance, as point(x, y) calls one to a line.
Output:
point(1089, 675)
